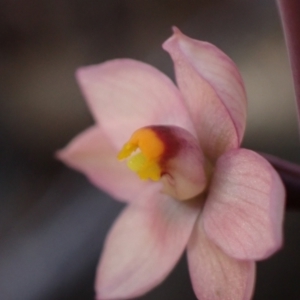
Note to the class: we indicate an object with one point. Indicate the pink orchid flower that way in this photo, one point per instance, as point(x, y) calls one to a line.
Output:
point(189, 185)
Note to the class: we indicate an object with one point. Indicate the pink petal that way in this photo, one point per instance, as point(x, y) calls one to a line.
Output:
point(245, 206)
point(182, 162)
point(93, 154)
point(213, 91)
point(125, 95)
point(143, 246)
point(214, 275)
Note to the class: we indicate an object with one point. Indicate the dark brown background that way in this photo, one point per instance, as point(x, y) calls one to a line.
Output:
point(52, 221)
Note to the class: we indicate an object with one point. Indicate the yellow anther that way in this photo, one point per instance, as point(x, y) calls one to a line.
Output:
point(151, 170)
point(143, 167)
point(136, 162)
point(126, 151)
point(146, 162)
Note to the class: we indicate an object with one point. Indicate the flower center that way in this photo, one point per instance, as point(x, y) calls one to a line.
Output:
point(170, 154)
point(145, 162)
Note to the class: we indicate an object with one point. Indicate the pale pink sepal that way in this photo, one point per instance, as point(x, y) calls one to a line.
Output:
point(143, 246)
point(214, 275)
point(93, 154)
point(244, 210)
point(213, 90)
point(125, 95)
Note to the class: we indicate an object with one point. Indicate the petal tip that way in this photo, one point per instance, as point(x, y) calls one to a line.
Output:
point(80, 71)
point(100, 296)
point(60, 155)
point(176, 30)
point(103, 292)
point(83, 72)
point(168, 44)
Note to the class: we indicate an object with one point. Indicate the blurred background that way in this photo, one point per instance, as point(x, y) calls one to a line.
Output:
point(52, 220)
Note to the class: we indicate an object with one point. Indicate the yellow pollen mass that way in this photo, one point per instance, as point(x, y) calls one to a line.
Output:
point(146, 162)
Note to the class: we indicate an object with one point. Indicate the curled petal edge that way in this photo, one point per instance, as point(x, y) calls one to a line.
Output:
point(213, 91)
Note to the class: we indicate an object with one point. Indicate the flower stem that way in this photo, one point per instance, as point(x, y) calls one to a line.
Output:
point(290, 17)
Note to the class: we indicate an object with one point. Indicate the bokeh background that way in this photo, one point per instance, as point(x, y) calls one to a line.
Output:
point(52, 220)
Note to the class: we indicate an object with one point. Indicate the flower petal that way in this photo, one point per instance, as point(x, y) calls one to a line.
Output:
point(182, 162)
point(125, 95)
point(214, 275)
point(143, 246)
point(245, 206)
point(93, 154)
point(213, 90)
